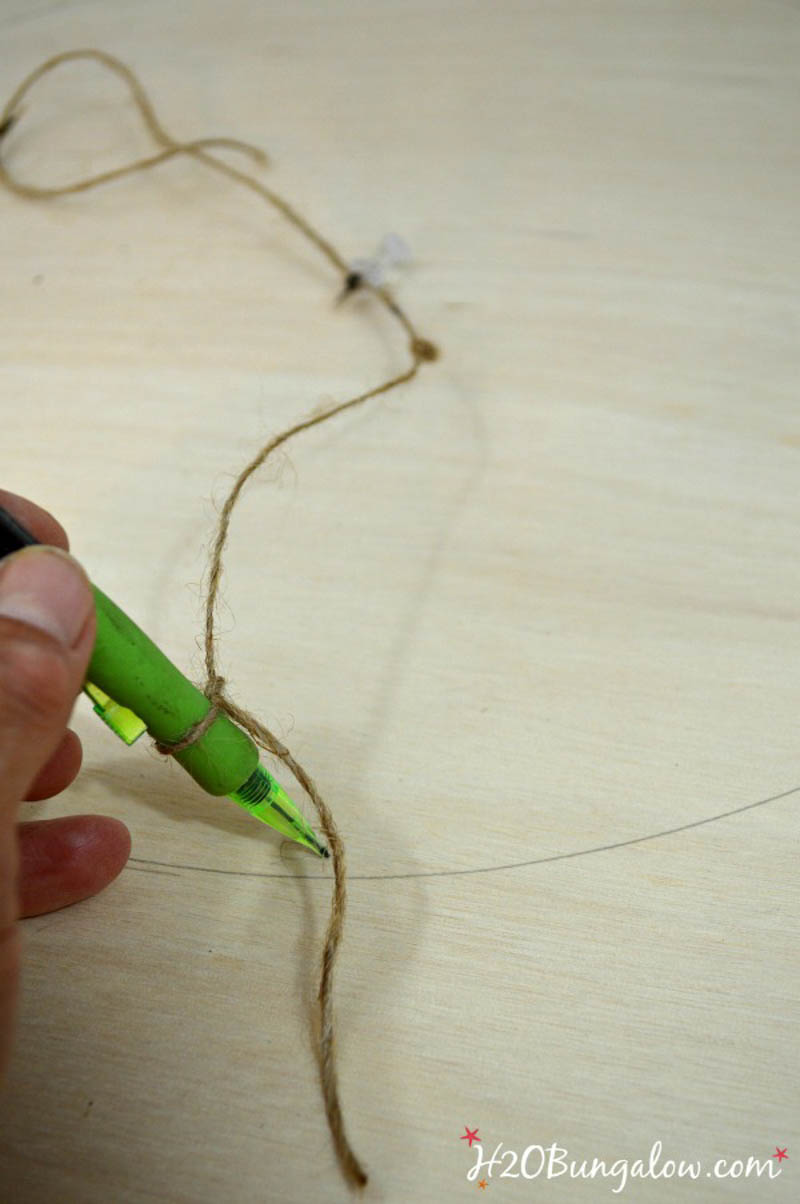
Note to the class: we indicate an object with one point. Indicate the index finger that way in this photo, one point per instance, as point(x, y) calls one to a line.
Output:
point(38, 521)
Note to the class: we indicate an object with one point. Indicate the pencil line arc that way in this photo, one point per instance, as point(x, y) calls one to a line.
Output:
point(142, 862)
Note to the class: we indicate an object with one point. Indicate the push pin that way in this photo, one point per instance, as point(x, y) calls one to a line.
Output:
point(393, 252)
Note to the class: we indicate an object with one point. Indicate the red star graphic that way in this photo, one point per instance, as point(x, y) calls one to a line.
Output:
point(483, 1185)
point(780, 1154)
point(470, 1135)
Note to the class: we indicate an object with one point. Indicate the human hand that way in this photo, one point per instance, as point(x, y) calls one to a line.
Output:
point(47, 632)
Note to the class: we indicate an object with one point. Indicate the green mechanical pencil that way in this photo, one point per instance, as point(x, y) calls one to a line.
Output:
point(135, 688)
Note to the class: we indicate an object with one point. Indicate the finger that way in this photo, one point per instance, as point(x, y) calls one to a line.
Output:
point(65, 860)
point(39, 522)
point(60, 770)
point(47, 630)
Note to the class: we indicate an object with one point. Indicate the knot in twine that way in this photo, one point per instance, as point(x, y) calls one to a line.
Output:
point(424, 349)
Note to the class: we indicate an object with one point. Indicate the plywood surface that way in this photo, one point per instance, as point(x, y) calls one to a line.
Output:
point(541, 603)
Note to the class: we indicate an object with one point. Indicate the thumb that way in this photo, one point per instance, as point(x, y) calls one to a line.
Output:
point(47, 632)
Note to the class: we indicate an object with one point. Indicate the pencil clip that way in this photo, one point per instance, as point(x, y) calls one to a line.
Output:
point(121, 720)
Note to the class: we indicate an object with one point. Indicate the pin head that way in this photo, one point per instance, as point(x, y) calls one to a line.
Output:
point(393, 252)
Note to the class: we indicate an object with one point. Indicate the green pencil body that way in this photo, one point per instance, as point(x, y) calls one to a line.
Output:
point(128, 667)
point(135, 687)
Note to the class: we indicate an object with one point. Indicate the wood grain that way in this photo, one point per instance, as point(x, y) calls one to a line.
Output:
point(544, 600)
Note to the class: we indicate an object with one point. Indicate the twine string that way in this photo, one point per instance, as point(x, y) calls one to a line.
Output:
point(420, 350)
